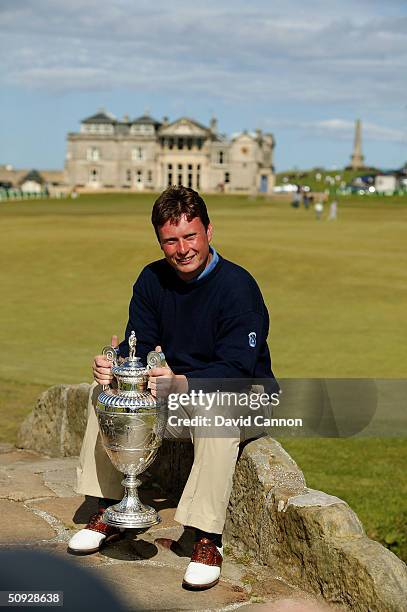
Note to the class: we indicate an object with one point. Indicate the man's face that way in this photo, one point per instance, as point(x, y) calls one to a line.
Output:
point(186, 246)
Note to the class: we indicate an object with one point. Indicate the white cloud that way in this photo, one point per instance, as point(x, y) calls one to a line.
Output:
point(318, 52)
point(252, 63)
point(344, 129)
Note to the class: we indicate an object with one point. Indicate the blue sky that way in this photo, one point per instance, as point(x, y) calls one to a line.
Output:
point(301, 70)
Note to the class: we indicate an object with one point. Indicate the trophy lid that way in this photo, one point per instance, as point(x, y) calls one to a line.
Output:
point(129, 368)
point(131, 394)
point(132, 365)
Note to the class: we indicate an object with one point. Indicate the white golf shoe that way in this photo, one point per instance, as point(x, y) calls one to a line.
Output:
point(95, 535)
point(203, 571)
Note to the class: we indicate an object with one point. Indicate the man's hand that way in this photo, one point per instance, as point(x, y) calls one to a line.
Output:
point(163, 381)
point(102, 367)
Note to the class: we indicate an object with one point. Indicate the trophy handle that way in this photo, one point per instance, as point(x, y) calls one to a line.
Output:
point(111, 355)
point(156, 360)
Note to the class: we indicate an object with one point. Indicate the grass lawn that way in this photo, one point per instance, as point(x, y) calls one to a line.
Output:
point(336, 292)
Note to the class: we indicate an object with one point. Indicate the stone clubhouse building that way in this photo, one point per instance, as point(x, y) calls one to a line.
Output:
point(144, 154)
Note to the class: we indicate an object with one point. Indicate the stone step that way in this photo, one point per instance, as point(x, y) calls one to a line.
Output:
point(40, 511)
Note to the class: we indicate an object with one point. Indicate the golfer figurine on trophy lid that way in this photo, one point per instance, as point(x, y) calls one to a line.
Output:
point(132, 424)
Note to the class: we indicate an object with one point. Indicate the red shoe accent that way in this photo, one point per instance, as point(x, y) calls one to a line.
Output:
point(205, 551)
point(108, 533)
point(96, 524)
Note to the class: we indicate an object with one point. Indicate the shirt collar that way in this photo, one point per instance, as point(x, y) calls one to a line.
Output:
point(209, 267)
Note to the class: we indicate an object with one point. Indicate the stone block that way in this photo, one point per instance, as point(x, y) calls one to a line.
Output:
point(66, 510)
point(20, 526)
point(152, 587)
point(15, 457)
point(312, 539)
point(57, 424)
point(5, 447)
point(20, 484)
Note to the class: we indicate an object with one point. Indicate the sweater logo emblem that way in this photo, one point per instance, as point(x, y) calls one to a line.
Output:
point(252, 339)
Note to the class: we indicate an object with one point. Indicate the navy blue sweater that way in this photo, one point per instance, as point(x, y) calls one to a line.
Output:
point(213, 328)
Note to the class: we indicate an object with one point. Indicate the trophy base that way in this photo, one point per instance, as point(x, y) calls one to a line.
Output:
point(144, 517)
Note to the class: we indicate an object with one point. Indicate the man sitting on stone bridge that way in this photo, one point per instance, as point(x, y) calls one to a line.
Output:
point(208, 316)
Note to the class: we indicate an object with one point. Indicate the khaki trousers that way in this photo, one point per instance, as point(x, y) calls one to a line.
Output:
point(206, 494)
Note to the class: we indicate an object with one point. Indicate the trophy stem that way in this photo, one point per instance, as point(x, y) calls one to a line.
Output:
point(131, 484)
point(130, 512)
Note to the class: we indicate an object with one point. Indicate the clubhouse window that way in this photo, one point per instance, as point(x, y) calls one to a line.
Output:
point(93, 154)
point(137, 154)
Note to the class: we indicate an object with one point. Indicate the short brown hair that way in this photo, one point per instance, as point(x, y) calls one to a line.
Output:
point(175, 202)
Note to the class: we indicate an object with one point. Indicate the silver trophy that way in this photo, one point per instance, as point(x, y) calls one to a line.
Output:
point(132, 424)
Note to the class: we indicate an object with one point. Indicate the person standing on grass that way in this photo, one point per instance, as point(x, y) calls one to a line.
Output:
point(333, 211)
point(208, 316)
point(296, 198)
point(319, 209)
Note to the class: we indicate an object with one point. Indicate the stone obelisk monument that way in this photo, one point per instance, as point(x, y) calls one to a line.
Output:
point(357, 158)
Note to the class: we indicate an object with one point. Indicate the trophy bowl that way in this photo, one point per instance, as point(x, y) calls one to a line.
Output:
point(132, 425)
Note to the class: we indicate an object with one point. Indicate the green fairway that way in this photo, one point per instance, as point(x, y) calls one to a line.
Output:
point(336, 291)
point(369, 474)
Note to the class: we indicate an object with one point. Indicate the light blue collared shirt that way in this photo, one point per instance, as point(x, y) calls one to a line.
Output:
point(209, 268)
